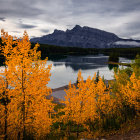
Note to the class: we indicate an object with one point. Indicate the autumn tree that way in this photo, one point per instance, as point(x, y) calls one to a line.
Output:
point(87, 103)
point(99, 108)
point(129, 94)
point(4, 90)
point(29, 112)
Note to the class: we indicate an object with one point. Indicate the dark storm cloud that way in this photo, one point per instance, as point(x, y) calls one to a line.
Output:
point(134, 25)
point(110, 15)
point(27, 26)
point(45, 31)
point(107, 6)
point(114, 12)
point(2, 19)
point(132, 29)
point(19, 8)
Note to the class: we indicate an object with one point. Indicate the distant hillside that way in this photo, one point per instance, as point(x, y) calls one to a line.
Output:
point(85, 37)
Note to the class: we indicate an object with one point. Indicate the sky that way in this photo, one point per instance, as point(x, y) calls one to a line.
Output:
point(41, 17)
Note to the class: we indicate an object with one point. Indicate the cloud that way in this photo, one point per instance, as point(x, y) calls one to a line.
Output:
point(27, 26)
point(16, 32)
point(45, 31)
point(46, 15)
point(18, 8)
point(2, 19)
point(130, 43)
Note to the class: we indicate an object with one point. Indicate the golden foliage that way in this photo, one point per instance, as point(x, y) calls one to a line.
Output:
point(131, 92)
point(25, 110)
point(28, 111)
point(87, 101)
point(92, 105)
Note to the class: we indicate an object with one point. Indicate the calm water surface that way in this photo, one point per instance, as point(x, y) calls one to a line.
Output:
point(65, 70)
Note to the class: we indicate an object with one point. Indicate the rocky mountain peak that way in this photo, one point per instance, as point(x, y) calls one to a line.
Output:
point(77, 27)
point(85, 37)
point(57, 31)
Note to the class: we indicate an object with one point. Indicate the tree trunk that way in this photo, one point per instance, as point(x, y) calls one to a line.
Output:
point(23, 93)
point(5, 129)
point(6, 109)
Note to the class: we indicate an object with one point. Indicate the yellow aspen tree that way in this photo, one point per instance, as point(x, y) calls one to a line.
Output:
point(80, 101)
point(131, 92)
point(88, 102)
point(4, 91)
point(74, 105)
point(84, 100)
point(29, 110)
point(86, 97)
point(4, 102)
point(104, 99)
point(2, 108)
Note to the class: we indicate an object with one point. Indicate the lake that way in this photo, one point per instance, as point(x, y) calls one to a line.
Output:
point(66, 69)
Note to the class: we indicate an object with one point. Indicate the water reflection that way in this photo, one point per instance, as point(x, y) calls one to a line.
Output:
point(83, 62)
point(65, 70)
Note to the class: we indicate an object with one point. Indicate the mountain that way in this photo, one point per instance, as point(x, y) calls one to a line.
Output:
point(84, 37)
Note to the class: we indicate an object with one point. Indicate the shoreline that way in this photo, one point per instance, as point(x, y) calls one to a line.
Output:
point(59, 93)
point(66, 86)
point(62, 88)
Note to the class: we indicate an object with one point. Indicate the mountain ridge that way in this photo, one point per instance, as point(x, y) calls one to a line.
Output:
point(85, 37)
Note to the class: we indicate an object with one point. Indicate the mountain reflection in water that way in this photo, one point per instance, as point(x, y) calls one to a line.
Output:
point(66, 69)
point(83, 62)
